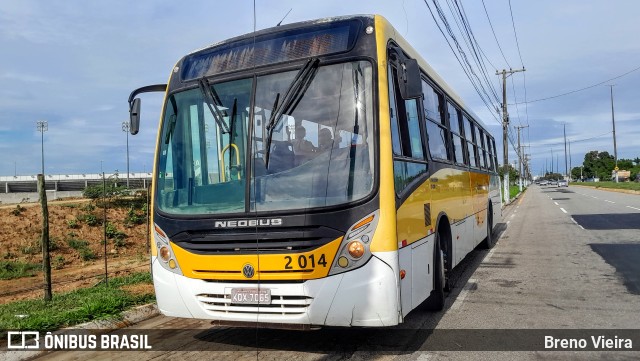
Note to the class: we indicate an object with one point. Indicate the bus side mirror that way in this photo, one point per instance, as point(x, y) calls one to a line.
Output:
point(410, 82)
point(134, 116)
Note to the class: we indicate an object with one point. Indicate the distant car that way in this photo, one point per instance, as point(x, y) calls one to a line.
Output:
point(544, 183)
point(563, 183)
point(553, 183)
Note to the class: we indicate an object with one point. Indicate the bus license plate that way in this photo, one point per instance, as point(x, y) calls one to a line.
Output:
point(251, 296)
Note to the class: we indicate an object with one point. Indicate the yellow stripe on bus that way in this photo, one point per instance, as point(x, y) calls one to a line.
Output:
point(281, 267)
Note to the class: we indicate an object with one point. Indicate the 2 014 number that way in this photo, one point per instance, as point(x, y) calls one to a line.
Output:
point(305, 261)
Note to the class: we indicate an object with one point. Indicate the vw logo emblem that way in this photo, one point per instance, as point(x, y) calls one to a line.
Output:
point(248, 271)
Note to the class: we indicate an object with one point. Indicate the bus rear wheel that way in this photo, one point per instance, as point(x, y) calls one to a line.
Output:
point(435, 301)
point(489, 242)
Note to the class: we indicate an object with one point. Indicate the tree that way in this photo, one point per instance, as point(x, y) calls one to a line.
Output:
point(625, 164)
point(513, 174)
point(598, 164)
point(576, 172)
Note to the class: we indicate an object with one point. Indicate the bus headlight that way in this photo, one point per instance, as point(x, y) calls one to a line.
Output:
point(354, 250)
point(165, 253)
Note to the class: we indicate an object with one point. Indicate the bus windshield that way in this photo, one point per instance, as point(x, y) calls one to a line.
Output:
point(320, 153)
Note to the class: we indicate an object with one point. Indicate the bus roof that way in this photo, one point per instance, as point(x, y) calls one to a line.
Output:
point(391, 33)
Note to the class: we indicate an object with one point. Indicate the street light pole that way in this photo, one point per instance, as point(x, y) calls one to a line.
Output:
point(42, 126)
point(125, 128)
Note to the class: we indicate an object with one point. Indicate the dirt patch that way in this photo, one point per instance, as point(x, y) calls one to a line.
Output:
point(77, 245)
point(139, 289)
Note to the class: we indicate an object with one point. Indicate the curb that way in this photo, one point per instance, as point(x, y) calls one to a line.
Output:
point(628, 191)
point(125, 319)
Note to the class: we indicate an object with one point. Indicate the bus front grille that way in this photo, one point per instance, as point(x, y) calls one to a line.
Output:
point(280, 304)
point(252, 241)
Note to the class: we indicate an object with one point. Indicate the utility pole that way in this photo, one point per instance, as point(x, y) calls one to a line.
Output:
point(613, 120)
point(505, 128)
point(520, 157)
point(125, 128)
point(570, 169)
point(564, 131)
point(46, 257)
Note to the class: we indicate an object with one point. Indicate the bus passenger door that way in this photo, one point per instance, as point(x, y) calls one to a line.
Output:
point(413, 192)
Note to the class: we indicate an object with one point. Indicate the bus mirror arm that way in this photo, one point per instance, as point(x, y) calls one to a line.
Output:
point(134, 105)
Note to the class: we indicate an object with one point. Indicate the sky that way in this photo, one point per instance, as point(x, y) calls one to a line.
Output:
point(74, 63)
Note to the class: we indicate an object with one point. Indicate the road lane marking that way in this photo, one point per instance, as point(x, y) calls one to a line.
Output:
point(578, 224)
point(637, 209)
point(424, 357)
point(471, 286)
point(606, 200)
point(556, 203)
point(508, 222)
point(562, 209)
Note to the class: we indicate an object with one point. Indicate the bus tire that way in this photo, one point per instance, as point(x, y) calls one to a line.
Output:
point(435, 301)
point(489, 242)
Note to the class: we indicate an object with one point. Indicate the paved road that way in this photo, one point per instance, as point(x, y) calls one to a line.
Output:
point(567, 258)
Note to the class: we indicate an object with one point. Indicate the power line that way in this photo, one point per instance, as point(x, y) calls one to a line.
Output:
point(494, 34)
point(515, 33)
point(461, 64)
point(581, 89)
point(573, 141)
point(463, 55)
point(513, 88)
point(472, 44)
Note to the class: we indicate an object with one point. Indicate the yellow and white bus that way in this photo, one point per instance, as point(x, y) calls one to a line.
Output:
point(314, 174)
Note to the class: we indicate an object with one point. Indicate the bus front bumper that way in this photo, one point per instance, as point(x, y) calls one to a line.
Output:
point(366, 296)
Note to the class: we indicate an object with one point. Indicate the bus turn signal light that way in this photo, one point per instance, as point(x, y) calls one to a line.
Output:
point(363, 222)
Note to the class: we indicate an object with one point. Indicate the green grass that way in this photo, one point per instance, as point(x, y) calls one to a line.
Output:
point(74, 307)
point(623, 185)
point(16, 269)
point(513, 191)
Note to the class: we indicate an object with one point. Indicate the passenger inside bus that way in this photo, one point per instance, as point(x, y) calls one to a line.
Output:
point(325, 140)
point(303, 149)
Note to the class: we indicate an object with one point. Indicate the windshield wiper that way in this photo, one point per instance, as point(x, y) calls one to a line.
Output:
point(292, 97)
point(213, 104)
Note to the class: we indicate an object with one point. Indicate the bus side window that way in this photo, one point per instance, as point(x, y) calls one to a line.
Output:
point(437, 133)
point(405, 122)
point(454, 124)
point(471, 148)
point(479, 146)
point(491, 165)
